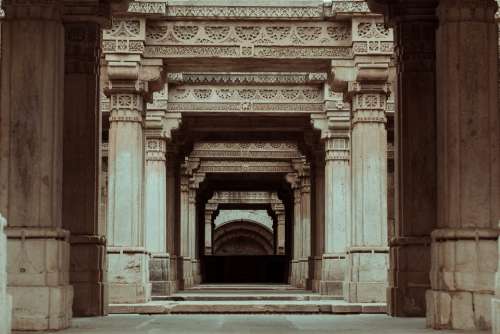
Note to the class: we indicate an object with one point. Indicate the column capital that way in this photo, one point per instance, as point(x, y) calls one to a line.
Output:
point(155, 149)
point(337, 147)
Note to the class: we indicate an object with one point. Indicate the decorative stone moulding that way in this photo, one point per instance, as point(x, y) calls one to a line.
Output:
point(234, 78)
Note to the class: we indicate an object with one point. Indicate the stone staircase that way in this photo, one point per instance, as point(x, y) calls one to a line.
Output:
point(247, 299)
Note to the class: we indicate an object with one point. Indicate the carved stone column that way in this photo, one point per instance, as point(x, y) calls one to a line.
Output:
point(155, 212)
point(319, 219)
point(464, 247)
point(31, 155)
point(367, 252)
point(337, 209)
point(296, 246)
point(415, 159)
point(305, 256)
point(172, 227)
point(81, 167)
point(209, 211)
point(5, 299)
point(280, 231)
point(193, 225)
point(186, 280)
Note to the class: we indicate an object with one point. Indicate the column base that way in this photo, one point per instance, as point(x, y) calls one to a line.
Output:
point(38, 308)
point(410, 259)
point(495, 315)
point(195, 265)
point(187, 273)
point(458, 310)
point(128, 270)
point(367, 275)
point(87, 275)
point(5, 313)
point(316, 270)
point(464, 265)
point(333, 274)
point(159, 268)
point(38, 278)
point(294, 273)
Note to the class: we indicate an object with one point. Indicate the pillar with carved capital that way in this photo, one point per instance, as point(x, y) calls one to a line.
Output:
point(31, 155)
point(193, 225)
point(337, 210)
point(367, 253)
point(81, 167)
point(318, 225)
point(155, 212)
point(172, 224)
point(209, 211)
point(464, 251)
point(128, 259)
point(416, 159)
point(280, 230)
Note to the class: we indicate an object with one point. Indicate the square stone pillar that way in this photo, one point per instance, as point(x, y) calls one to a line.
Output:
point(185, 260)
point(318, 220)
point(209, 211)
point(194, 184)
point(31, 156)
point(172, 228)
point(155, 211)
point(128, 259)
point(81, 168)
point(337, 210)
point(297, 242)
point(306, 260)
point(415, 160)
point(5, 299)
point(280, 232)
point(368, 249)
point(464, 247)
point(495, 302)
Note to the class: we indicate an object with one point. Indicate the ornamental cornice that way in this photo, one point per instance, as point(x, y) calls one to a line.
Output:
point(245, 197)
point(246, 150)
point(235, 78)
point(235, 166)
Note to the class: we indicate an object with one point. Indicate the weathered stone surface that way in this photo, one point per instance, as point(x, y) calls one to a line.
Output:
point(5, 299)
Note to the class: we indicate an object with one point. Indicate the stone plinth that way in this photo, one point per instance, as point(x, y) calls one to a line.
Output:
point(88, 276)
point(128, 272)
point(38, 274)
point(333, 273)
point(159, 268)
point(464, 264)
point(5, 299)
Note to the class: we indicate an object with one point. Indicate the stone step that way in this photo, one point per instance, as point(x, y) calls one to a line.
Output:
point(243, 287)
point(242, 297)
point(248, 307)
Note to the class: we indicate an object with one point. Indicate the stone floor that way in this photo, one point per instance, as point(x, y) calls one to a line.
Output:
point(255, 324)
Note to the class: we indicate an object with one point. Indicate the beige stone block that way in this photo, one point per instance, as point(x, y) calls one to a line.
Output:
point(41, 308)
point(482, 310)
point(462, 311)
point(129, 293)
point(5, 313)
point(128, 267)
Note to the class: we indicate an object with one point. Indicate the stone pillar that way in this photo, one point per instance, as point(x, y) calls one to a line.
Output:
point(194, 184)
point(305, 258)
point(495, 302)
point(172, 205)
point(280, 231)
point(186, 280)
point(31, 155)
point(464, 253)
point(368, 251)
point(319, 219)
point(155, 212)
point(296, 246)
point(81, 168)
point(415, 160)
point(337, 209)
point(5, 299)
point(209, 211)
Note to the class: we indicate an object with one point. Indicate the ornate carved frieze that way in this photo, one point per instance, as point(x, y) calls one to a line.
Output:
point(337, 148)
point(246, 150)
point(246, 98)
point(245, 197)
point(126, 108)
point(262, 78)
point(148, 7)
point(167, 39)
point(371, 37)
point(247, 12)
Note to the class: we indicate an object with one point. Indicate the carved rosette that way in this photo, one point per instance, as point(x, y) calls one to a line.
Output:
point(371, 36)
point(369, 108)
